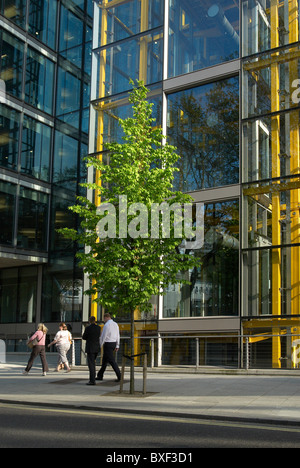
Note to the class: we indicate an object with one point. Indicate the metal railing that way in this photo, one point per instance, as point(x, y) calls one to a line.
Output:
point(228, 351)
point(215, 350)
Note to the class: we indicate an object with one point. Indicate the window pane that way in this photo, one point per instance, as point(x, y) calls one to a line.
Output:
point(258, 138)
point(272, 212)
point(214, 284)
point(127, 19)
point(68, 98)
point(203, 124)
point(42, 21)
point(71, 37)
point(11, 63)
point(65, 161)
point(264, 268)
point(139, 58)
point(265, 92)
point(202, 34)
point(27, 294)
point(14, 10)
point(8, 296)
point(9, 137)
point(257, 24)
point(32, 219)
point(39, 81)
point(36, 141)
point(7, 212)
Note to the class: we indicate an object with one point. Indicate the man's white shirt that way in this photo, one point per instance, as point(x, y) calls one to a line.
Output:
point(110, 333)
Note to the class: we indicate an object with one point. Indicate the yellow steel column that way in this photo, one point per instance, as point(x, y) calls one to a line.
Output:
point(144, 41)
point(294, 169)
point(295, 165)
point(275, 147)
point(99, 143)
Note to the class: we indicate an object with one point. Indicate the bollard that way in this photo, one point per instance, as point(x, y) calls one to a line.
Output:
point(2, 352)
point(145, 374)
point(122, 374)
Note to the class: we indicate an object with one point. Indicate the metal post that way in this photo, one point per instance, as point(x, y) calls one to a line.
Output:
point(73, 353)
point(247, 353)
point(197, 353)
point(122, 374)
point(152, 351)
point(145, 374)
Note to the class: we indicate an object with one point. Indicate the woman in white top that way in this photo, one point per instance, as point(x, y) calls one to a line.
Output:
point(62, 340)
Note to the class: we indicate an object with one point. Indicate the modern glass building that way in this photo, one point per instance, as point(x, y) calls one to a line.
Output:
point(45, 68)
point(224, 78)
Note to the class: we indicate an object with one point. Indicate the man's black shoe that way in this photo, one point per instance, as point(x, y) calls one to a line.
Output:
point(98, 378)
point(118, 380)
point(91, 383)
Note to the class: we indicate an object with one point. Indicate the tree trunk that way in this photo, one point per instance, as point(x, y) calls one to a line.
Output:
point(132, 352)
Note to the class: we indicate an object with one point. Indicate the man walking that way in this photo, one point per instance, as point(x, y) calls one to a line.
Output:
point(92, 348)
point(110, 340)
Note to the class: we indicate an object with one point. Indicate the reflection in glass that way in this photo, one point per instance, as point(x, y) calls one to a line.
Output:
point(27, 291)
point(62, 217)
point(214, 284)
point(18, 293)
point(139, 58)
point(32, 219)
point(119, 108)
point(71, 37)
point(68, 97)
point(62, 297)
point(258, 139)
point(259, 84)
point(39, 81)
point(9, 137)
point(130, 18)
point(257, 24)
point(272, 207)
point(35, 155)
point(14, 10)
point(65, 161)
point(42, 21)
point(203, 124)
point(7, 212)
point(261, 280)
point(202, 34)
point(8, 296)
point(11, 63)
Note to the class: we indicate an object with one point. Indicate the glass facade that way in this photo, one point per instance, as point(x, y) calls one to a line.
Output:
point(270, 146)
point(203, 124)
point(45, 69)
point(224, 79)
point(202, 34)
point(214, 283)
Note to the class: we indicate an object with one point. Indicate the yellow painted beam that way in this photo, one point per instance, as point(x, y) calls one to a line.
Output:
point(294, 167)
point(99, 143)
point(143, 41)
point(275, 151)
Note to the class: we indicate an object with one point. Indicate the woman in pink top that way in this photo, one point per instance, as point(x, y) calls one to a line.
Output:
point(38, 349)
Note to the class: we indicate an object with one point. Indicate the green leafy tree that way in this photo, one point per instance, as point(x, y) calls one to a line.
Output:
point(130, 261)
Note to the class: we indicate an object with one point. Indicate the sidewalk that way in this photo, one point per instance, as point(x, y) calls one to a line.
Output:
point(267, 398)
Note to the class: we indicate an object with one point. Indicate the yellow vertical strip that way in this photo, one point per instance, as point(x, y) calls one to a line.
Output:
point(99, 142)
point(295, 165)
point(275, 148)
point(144, 41)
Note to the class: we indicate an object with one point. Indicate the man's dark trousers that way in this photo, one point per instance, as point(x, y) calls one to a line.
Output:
point(92, 336)
point(108, 358)
point(91, 362)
